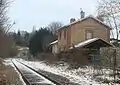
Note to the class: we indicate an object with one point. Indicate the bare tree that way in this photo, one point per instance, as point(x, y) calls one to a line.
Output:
point(110, 11)
point(7, 45)
point(54, 26)
point(4, 19)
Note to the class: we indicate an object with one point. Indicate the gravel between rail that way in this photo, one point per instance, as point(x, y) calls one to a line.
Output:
point(60, 79)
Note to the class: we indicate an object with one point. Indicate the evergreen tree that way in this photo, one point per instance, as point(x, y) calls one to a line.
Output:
point(40, 41)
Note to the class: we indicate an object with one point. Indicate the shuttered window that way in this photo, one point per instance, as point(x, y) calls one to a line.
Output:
point(65, 34)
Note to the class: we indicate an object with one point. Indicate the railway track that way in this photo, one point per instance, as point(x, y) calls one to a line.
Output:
point(31, 76)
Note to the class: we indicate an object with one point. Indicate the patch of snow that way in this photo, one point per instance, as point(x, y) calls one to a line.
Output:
point(90, 16)
point(85, 42)
point(23, 83)
point(23, 48)
point(70, 74)
point(44, 80)
point(9, 62)
point(83, 76)
point(54, 42)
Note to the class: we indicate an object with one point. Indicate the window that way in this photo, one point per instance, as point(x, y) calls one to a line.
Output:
point(65, 34)
point(60, 34)
point(89, 35)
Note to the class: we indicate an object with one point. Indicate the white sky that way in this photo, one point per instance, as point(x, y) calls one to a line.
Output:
point(28, 13)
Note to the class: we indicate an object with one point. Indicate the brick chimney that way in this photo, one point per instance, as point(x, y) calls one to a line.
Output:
point(72, 20)
point(82, 14)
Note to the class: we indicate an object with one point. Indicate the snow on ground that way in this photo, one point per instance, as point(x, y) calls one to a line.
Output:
point(74, 75)
point(22, 68)
point(9, 62)
point(83, 76)
point(20, 77)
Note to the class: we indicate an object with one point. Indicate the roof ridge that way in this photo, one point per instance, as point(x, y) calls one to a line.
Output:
point(90, 16)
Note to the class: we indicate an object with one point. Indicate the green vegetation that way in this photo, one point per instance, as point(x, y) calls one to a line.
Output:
point(21, 38)
point(40, 41)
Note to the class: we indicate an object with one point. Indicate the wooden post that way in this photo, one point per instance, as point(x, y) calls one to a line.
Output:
point(114, 65)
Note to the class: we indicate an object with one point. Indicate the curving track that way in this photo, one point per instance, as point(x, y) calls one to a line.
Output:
point(32, 77)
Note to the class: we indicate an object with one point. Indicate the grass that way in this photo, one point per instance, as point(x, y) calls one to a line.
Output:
point(8, 76)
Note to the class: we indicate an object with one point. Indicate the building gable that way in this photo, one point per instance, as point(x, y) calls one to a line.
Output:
point(82, 30)
point(92, 24)
point(84, 19)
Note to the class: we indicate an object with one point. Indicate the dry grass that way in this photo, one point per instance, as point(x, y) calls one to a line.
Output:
point(8, 76)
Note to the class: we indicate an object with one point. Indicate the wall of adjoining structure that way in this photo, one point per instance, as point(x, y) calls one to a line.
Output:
point(55, 48)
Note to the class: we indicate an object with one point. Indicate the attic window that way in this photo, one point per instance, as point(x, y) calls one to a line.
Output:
point(89, 34)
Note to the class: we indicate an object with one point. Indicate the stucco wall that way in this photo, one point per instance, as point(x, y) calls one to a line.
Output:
point(77, 33)
point(62, 41)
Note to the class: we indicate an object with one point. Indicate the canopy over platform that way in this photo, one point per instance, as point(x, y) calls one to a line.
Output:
point(54, 42)
point(95, 43)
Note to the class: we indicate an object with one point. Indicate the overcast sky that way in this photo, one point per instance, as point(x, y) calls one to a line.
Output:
point(28, 13)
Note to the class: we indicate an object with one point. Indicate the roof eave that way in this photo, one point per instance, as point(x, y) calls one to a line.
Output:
point(110, 28)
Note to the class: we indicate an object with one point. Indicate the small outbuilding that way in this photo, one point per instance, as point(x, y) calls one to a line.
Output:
point(92, 48)
point(94, 43)
point(54, 46)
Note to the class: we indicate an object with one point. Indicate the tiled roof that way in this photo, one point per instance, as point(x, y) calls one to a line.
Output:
point(85, 19)
point(86, 42)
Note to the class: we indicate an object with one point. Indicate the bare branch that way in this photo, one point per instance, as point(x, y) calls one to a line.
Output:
point(54, 26)
point(110, 10)
point(4, 5)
